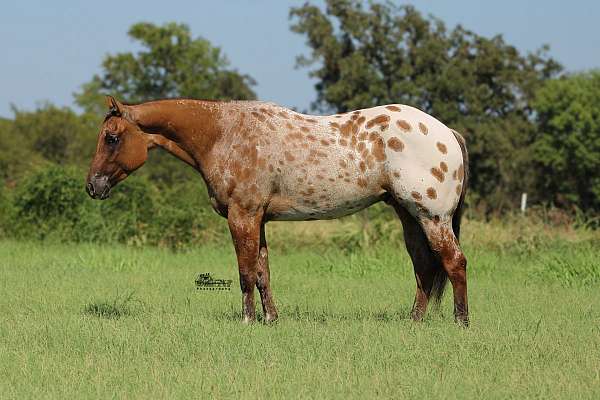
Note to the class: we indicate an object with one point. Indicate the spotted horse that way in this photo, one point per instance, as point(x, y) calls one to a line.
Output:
point(262, 162)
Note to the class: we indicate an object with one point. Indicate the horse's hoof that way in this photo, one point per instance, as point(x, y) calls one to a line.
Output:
point(463, 322)
point(271, 318)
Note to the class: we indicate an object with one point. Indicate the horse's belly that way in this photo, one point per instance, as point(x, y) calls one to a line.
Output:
point(283, 208)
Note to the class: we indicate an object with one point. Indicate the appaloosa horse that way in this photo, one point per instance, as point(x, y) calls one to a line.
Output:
point(262, 162)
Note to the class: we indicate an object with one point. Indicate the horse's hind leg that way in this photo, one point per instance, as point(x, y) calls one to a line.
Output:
point(445, 244)
point(427, 267)
point(263, 282)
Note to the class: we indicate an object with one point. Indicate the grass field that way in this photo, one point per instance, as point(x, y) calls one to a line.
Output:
point(85, 321)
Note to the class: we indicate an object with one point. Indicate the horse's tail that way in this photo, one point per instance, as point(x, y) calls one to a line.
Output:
point(440, 277)
point(461, 201)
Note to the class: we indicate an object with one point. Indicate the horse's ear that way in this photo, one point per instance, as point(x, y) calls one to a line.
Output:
point(114, 106)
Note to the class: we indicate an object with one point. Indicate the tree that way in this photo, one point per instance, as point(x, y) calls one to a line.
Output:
point(170, 64)
point(567, 148)
point(58, 135)
point(379, 54)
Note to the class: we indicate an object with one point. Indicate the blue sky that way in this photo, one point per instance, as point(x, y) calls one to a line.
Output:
point(50, 48)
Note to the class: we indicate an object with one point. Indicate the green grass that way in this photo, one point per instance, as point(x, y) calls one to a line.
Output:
point(84, 321)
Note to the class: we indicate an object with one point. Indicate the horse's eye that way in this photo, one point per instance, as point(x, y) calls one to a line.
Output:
point(112, 139)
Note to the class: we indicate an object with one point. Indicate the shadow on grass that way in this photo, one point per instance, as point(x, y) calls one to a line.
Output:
point(112, 309)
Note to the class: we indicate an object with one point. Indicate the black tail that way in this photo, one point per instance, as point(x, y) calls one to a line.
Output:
point(440, 276)
point(461, 202)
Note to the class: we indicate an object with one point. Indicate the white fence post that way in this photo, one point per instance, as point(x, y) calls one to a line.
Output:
point(523, 202)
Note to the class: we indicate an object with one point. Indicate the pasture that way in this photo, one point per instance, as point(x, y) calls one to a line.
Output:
point(90, 321)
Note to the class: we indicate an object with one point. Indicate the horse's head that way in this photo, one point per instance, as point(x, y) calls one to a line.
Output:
point(121, 149)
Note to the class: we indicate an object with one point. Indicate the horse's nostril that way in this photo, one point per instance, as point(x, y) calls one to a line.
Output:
point(90, 189)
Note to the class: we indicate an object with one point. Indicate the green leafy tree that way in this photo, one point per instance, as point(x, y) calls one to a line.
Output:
point(171, 64)
point(58, 135)
point(367, 55)
point(567, 149)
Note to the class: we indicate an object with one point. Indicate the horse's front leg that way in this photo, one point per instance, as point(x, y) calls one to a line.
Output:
point(264, 279)
point(244, 226)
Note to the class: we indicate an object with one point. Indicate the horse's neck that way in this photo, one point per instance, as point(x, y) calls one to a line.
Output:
point(182, 126)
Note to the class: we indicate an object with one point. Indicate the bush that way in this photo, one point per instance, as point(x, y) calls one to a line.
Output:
point(52, 204)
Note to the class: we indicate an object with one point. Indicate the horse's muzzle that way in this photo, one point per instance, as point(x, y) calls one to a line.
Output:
point(98, 187)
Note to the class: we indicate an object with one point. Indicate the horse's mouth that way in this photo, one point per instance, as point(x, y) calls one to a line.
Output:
point(91, 190)
point(105, 193)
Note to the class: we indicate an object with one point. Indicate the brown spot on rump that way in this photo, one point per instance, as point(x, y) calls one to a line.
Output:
point(436, 219)
point(438, 174)
point(444, 166)
point(362, 135)
point(343, 164)
point(378, 149)
point(362, 182)
point(283, 114)
point(362, 166)
point(403, 125)
point(258, 116)
point(396, 174)
point(331, 179)
point(459, 189)
point(442, 147)
point(262, 163)
point(343, 142)
point(431, 193)
point(321, 154)
point(393, 108)
point(395, 144)
point(353, 142)
point(351, 156)
point(312, 138)
point(332, 141)
point(382, 119)
point(373, 136)
point(416, 195)
point(423, 128)
point(305, 129)
point(265, 111)
point(370, 161)
point(300, 180)
point(311, 120)
point(346, 129)
point(294, 136)
point(320, 177)
point(289, 126)
point(324, 142)
point(334, 125)
point(346, 180)
point(461, 172)
point(288, 156)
